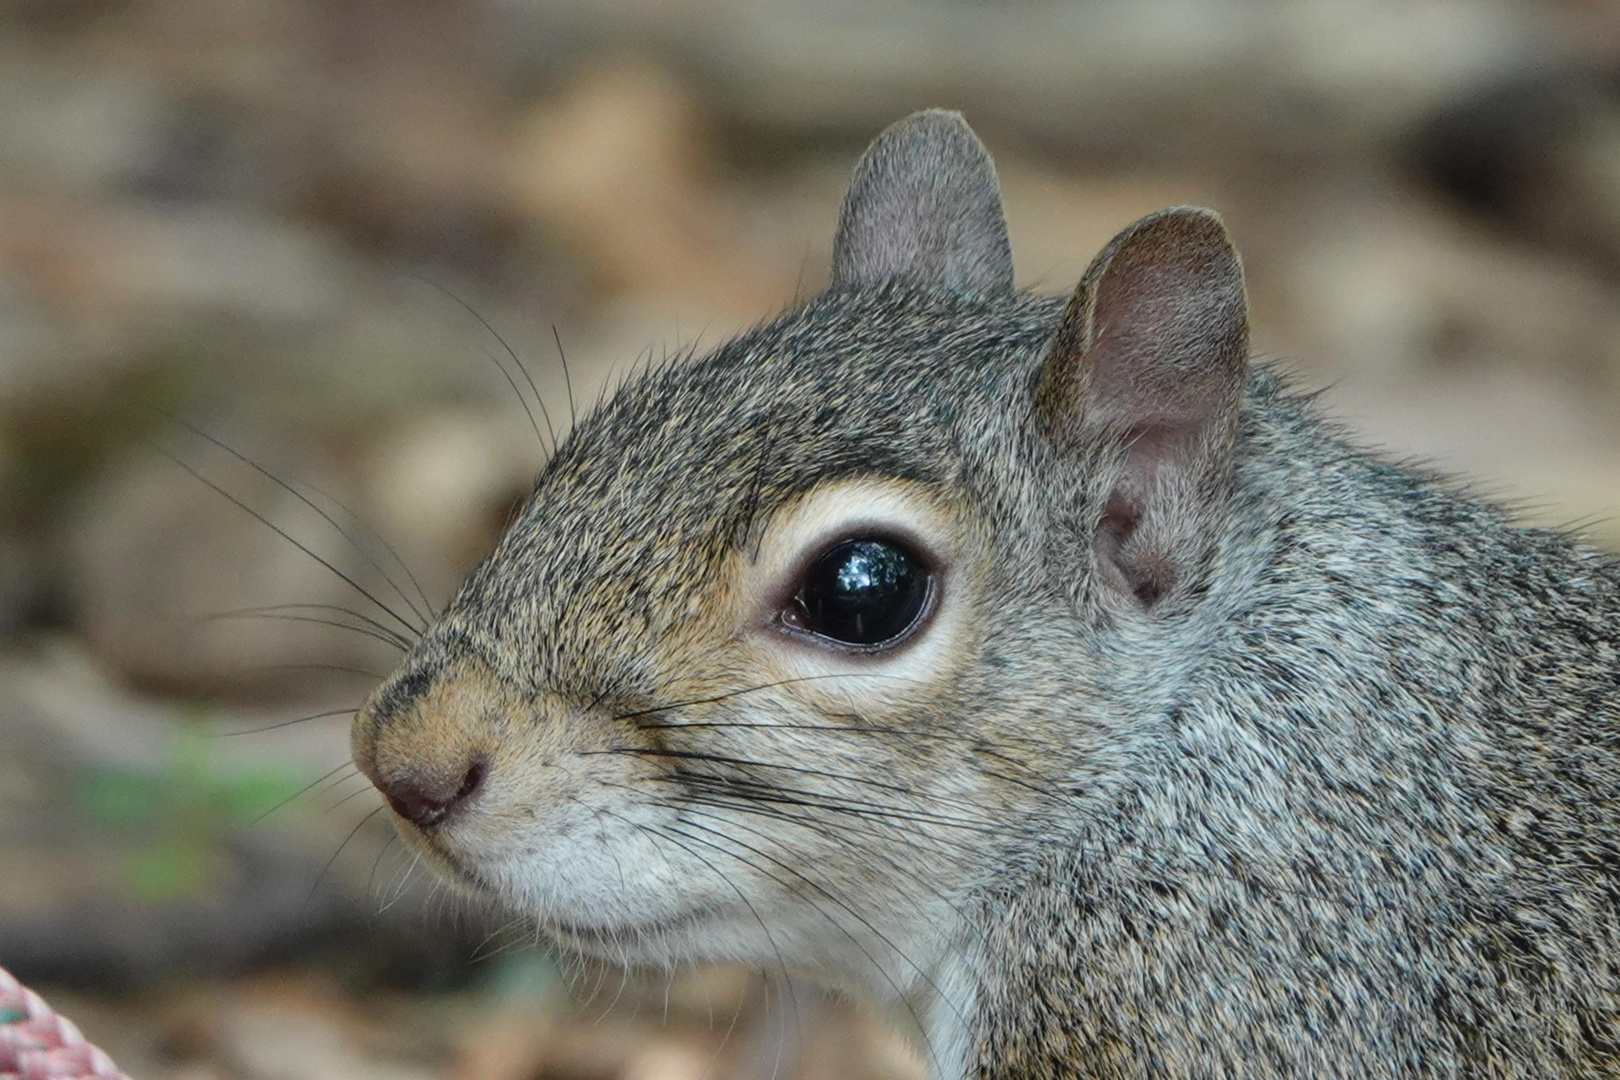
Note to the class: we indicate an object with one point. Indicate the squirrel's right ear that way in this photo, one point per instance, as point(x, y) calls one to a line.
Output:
point(924, 205)
point(1149, 364)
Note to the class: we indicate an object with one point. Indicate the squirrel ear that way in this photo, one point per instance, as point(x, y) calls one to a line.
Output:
point(924, 205)
point(1151, 357)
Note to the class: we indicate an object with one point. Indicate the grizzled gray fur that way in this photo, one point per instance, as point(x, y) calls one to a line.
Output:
point(1249, 754)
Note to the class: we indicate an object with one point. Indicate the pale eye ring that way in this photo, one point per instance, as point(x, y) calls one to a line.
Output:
point(867, 593)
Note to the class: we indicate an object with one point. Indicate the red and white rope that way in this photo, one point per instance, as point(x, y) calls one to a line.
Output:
point(37, 1044)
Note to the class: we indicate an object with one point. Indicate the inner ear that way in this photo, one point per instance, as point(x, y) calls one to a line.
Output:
point(1148, 366)
point(924, 205)
point(1143, 494)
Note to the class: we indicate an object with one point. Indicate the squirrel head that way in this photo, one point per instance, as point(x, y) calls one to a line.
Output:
point(791, 641)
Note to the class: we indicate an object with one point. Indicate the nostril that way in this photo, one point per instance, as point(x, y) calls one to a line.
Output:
point(474, 778)
point(426, 803)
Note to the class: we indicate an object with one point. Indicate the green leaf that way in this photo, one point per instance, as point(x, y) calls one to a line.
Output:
point(167, 870)
point(120, 797)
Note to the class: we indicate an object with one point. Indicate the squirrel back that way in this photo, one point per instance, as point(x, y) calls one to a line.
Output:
point(1043, 668)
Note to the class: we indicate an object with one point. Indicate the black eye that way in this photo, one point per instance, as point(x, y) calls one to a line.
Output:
point(861, 592)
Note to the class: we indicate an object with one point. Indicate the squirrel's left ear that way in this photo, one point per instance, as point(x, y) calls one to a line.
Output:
point(1149, 364)
point(924, 205)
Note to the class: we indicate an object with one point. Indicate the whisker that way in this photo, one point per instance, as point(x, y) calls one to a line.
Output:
point(318, 667)
point(922, 973)
point(749, 763)
point(393, 642)
point(394, 636)
point(865, 835)
point(746, 763)
point(523, 401)
point(498, 937)
point(840, 927)
point(402, 881)
point(485, 323)
point(351, 795)
point(381, 539)
point(748, 789)
point(352, 834)
point(573, 415)
point(736, 1014)
point(410, 628)
point(798, 284)
point(780, 962)
point(845, 830)
point(372, 877)
point(842, 833)
point(624, 980)
point(285, 723)
point(317, 782)
point(601, 979)
point(1040, 784)
point(750, 511)
point(756, 689)
point(780, 1036)
point(306, 500)
point(851, 729)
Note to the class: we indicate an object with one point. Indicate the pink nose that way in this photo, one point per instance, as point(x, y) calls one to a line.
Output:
point(427, 802)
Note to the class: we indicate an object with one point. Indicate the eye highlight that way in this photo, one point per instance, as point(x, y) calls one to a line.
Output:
point(867, 593)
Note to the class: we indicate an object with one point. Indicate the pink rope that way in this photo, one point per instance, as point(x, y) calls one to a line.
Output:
point(37, 1044)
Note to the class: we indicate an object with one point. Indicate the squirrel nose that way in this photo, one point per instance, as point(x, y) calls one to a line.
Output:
point(428, 801)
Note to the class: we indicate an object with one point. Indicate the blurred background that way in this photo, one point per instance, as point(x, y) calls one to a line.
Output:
point(283, 281)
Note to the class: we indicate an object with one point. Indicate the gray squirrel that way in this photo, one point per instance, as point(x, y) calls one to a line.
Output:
point(1041, 667)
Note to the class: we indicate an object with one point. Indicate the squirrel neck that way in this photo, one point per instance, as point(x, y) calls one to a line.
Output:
point(1370, 715)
